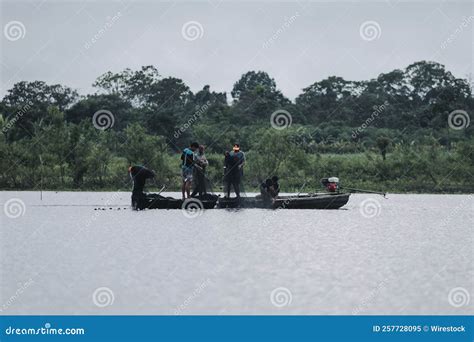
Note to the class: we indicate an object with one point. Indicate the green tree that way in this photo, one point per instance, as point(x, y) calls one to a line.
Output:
point(322, 100)
point(28, 102)
point(256, 98)
point(121, 109)
point(135, 86)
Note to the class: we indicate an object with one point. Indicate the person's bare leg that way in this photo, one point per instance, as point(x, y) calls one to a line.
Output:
point(188, 189)
point(183, 189)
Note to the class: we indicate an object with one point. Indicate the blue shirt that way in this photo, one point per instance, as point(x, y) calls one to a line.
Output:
point(188, 155)
point(239, 155)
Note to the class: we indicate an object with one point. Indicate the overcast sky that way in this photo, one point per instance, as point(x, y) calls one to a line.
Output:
point(297, 43)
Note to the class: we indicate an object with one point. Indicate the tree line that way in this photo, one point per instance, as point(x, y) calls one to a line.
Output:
point(49, 136)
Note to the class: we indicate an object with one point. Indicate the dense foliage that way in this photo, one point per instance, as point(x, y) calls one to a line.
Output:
point(388, 133)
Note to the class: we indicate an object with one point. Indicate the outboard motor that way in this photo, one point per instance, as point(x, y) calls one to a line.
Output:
point(331, 184)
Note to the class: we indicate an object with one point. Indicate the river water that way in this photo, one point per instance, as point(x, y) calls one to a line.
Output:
point(407, 254)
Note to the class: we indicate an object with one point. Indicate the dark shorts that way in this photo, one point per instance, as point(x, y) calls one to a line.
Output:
point(187, 174)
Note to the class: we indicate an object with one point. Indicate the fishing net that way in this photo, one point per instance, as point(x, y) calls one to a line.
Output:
point(201, 185)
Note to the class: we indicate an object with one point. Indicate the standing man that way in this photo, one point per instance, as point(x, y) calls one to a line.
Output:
point(234, 163)
point(187, 165)
point(239, 157)
point(199, 172)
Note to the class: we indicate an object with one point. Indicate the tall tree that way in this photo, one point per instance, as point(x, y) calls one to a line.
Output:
point(256, 97)
point(330, 99)
point(135, 86)
point(28, 102)
point(121, 109)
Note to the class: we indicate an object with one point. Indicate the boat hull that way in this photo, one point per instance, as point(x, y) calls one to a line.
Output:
point(317, 201)
point(314, 201)
point(156, 201)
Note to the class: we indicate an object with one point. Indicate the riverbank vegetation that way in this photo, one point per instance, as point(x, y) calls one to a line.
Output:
point(405, 131)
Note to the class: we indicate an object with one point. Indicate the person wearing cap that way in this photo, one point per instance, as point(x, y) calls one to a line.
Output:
point(139, 175)
point(234, 162)
point(187, 165)
point(240, 156)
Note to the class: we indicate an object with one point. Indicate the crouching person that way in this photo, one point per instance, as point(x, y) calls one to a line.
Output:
point(270, 189)
point(139, 175)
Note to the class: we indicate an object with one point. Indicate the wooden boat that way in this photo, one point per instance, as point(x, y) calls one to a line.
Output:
point(209, 201)
point(311, 201)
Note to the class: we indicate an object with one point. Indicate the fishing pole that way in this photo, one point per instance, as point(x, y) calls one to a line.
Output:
point(161, 190)
point(302, 187)
point(384, 194)
point(41, 175)
point(163, 187)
